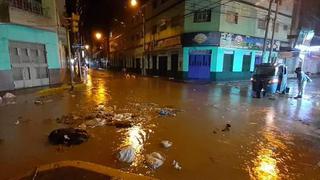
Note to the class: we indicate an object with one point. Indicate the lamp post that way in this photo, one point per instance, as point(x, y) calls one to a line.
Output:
point(134, 3)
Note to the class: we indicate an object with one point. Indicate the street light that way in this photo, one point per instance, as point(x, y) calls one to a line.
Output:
point(86, 47)
point(98, 36)
point(133, 3)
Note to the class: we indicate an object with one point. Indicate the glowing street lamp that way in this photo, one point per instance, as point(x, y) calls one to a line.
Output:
point(133, 3)
point(86, 47)
point(98, 36)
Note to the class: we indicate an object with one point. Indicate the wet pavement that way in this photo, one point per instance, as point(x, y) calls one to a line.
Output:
point(218, 131)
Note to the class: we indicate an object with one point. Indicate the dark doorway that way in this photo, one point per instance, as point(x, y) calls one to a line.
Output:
point(246, 63)
point(228, 63)
point(174, 63)
point(163, 65)
point(154, 64)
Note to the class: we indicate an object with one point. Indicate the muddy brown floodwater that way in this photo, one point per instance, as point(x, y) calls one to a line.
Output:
point(219, 131)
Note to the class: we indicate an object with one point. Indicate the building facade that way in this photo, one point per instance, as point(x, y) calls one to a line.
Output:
point(199, 39)
point(30, 44)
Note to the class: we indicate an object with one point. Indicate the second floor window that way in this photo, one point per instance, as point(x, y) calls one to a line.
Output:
point(34, 6)
point(261, 24)
point(232, 17)
point(202, 16)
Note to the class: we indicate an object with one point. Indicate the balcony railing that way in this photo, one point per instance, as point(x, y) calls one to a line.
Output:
point(27, 5)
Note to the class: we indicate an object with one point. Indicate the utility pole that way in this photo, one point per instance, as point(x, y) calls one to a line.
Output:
point(273, 31)
point(267, 30)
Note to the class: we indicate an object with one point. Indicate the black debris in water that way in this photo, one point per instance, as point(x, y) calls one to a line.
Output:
point(167, 112)
point(227, 128)
point(68, 136)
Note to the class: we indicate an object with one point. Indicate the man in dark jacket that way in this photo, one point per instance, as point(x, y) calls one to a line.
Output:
point(303, 79)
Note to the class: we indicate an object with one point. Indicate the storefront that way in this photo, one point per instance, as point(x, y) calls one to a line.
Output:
point(29, 57)
point(221, 56)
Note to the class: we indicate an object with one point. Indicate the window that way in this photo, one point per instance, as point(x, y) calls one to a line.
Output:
point(261, 24)
point(232, 17)
point(285, 27)
point(202, 16)
point(163, 25)
point(175, 21)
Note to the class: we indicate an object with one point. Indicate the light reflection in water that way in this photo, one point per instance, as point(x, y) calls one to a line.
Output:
point(135, 137)
point(99, 92)
point(266, 165)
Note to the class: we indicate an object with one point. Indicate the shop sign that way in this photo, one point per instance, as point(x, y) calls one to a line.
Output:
point(201, 39)
point(230, 40)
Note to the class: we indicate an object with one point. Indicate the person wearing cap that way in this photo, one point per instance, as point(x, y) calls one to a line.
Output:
point(303, 79)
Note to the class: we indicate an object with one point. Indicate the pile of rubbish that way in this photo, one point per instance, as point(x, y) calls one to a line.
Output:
point(154, 160)
point(8, 98)
point(107, 116)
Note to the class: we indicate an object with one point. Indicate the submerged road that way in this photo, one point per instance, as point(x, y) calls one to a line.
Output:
point(271, 138)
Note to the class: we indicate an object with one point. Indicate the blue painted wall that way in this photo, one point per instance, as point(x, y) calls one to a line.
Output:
point(27, 34)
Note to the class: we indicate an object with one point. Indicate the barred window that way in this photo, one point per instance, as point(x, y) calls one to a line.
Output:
point(202, 16)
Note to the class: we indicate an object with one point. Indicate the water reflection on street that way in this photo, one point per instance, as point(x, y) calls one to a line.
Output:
point(267, 139)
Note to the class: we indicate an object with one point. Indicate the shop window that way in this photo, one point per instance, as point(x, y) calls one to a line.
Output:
point(285, 27)
point(228, 63)
point(246, 63)
point(232, 17)
point(261, 24)
point(202, 16)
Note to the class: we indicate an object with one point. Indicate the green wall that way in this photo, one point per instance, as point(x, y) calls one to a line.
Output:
point(190, 26)
point(217, 58)
point(26, 34)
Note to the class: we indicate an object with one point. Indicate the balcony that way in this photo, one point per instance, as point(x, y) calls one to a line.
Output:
point(32, 6)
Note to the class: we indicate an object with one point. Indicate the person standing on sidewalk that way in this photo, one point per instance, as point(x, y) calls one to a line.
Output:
point(303, 79)
point(85, 70)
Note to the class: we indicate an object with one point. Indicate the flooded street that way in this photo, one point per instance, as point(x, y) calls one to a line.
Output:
point(218, 132)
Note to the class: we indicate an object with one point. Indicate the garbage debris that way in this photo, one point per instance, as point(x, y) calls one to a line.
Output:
point(122, 117)
point(38, 102)
point(127, 154)
point(1, 100)
point(166, 144)
point(167, 112)
point(17, 122)
point(227, 128)
point(176, 165)
point(68, 136)
point(318, 164)
point(9, 96)
point(154, 160)
point(122, 124)
point(97, 122)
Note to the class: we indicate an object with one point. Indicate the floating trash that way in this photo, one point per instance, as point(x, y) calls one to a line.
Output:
point(68, 136)
point(9, 96)
point(127, 154)
point(227, 128)
point(176, 165)
point(166, 144)
point(154, 160)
